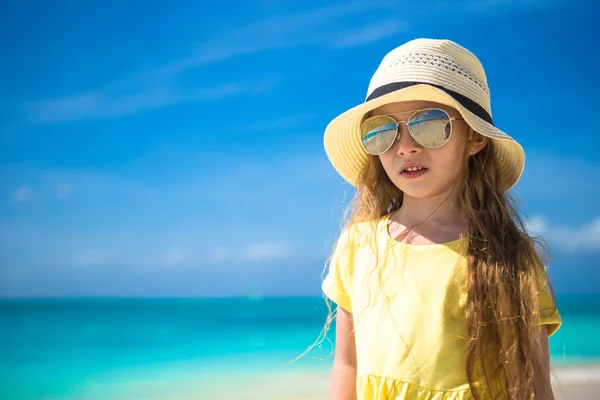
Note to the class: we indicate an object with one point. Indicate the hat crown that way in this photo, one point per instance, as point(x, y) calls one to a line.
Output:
point(439, 62)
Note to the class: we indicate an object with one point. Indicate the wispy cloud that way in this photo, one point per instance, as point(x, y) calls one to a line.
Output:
point(219, 254)
point(21, 194)
point(155, 88)
point(107, 222)
point(136, 254)
point(266, 251)
point(174, 256)
point(106, 103)
point(567, 238)
point(182, 176)
point(279, 122)
point(368, 34)
point(318, 26)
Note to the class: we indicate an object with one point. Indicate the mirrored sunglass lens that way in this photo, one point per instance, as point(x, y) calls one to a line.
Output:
point(378, 134)
point(430, 128)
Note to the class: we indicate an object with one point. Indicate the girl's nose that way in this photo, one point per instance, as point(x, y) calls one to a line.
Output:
point(405, 144)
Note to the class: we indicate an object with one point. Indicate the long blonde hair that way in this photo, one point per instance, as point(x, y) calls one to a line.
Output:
point(504, 275)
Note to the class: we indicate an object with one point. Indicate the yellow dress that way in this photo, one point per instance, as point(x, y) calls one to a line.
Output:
point(409, 314)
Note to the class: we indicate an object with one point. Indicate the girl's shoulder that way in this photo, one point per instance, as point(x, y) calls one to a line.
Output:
point(364, 233)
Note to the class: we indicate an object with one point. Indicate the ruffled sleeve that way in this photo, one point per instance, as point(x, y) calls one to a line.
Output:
point(336, 284)
point(549, 315)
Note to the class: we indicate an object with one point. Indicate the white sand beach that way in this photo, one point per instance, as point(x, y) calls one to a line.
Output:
point(570, 383)
point(576, 383)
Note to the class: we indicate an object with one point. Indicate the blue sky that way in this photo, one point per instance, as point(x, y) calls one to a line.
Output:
point(175, 149)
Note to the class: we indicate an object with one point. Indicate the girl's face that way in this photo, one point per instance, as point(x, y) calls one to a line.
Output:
point(441, 166)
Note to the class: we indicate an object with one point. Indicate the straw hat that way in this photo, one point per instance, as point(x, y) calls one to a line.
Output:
point(434, 70)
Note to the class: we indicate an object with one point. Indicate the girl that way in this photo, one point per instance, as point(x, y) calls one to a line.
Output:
point(441, 293)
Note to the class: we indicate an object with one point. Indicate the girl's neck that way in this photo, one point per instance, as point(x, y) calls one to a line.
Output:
point(426, 221)
point(439, 211)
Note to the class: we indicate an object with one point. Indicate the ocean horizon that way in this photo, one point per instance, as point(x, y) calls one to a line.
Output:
point(113, 348)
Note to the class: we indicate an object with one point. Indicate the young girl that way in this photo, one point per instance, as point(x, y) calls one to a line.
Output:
point(441, 293)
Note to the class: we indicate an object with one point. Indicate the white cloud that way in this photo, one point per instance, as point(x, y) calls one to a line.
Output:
point(582, 238)
point(174, 256)
point(266, 251)
point(171, 221)
point(153, 89)
point(99, 103)
point(369, 34)
point(308, 27)
point(274, 122)
point(107, 103)
point(22, 194)
point(140, 255)
point(220, 254)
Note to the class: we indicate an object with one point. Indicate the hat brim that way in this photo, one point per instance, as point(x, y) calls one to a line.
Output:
point(345, 152)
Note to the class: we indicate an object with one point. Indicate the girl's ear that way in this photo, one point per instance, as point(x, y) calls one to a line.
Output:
point(476, 142)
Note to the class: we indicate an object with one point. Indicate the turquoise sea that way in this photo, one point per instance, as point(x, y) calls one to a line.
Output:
point(147, 348)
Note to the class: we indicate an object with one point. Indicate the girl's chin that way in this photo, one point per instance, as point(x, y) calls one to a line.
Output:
point(423, 191)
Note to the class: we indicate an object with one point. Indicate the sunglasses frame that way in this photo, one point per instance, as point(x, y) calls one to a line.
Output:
point(397, 135)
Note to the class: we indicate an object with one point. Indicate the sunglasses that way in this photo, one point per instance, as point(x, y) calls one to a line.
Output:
point(430, 127)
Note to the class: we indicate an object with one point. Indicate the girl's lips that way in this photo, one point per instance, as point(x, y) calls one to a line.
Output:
point(413, 174)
